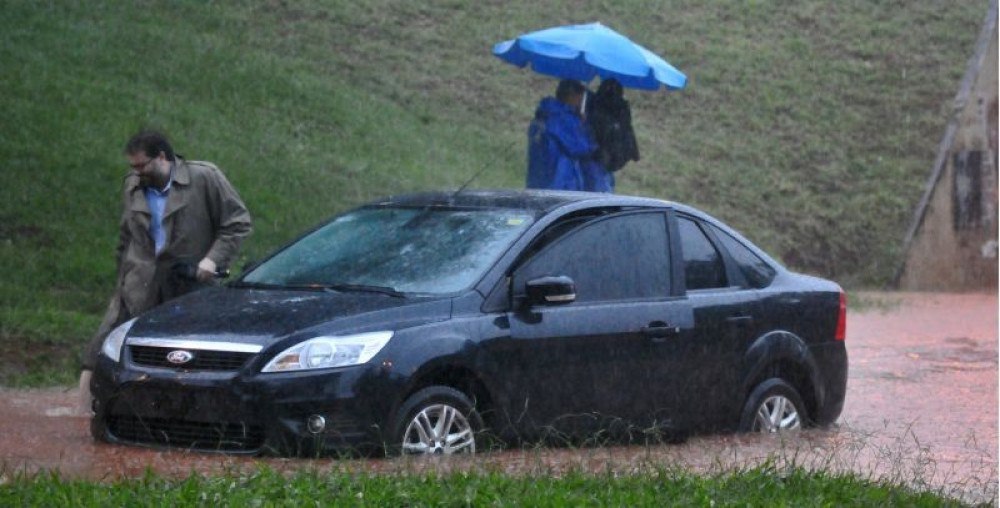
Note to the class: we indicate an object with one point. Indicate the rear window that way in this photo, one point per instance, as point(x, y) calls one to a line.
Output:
point(757, 272)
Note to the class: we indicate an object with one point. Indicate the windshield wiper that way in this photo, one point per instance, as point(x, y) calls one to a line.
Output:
point(255, 285)
point(385, 290)
point(339, 287)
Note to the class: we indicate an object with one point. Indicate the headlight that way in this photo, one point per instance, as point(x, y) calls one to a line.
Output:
point(112, 347)
point(327, 352)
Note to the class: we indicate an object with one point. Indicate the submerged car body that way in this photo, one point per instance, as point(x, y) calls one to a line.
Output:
point(420, 322)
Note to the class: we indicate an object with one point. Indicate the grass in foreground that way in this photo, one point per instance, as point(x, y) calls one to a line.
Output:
point(762, 486)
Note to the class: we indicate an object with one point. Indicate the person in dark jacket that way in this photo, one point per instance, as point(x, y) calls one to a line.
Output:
point(610, 118)
point(558, 141)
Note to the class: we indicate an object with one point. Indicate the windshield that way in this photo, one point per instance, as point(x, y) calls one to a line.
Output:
point(412, 250)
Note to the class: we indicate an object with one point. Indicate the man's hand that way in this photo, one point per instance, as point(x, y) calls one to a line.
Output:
point(206, 270)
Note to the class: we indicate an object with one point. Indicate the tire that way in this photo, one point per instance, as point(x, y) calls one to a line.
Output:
point(437, 420)
point(774, 406)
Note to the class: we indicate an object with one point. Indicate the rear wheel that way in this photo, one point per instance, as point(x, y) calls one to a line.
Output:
point(437, 420)
point(773, 406)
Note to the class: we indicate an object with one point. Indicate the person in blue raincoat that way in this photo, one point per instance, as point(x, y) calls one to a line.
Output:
point(559, 144)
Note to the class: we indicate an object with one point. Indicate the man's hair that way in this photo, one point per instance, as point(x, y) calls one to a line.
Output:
point(567, 88)
point(150, 143)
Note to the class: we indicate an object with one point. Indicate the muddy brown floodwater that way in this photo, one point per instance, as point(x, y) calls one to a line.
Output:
point(921, 409)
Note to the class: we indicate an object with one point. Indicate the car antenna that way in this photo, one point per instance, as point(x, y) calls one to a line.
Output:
point(486, 166)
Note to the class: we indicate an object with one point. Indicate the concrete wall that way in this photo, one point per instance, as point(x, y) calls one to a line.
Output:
point(952, 243)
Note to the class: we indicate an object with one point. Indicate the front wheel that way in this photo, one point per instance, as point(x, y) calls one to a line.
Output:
point(773, 406)
point(437, 420)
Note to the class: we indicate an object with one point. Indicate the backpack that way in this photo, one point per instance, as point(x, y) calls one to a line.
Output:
point(610, 118)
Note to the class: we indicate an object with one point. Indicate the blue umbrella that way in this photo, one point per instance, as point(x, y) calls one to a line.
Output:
point(583, 51)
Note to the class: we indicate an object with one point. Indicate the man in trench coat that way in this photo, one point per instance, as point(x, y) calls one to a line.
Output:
point(182, 222)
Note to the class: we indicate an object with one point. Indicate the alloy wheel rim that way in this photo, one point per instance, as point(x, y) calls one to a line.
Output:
point(439, 429)
point(777, 414)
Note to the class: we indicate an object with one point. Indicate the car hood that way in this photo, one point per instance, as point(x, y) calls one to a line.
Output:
point(262, 316)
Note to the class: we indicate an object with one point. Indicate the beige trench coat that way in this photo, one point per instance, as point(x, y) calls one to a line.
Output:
point(204, 217)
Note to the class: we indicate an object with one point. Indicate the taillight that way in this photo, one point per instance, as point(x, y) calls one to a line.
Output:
point(841, 332)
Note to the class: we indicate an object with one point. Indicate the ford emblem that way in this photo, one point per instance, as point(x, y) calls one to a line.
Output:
point(179, 357)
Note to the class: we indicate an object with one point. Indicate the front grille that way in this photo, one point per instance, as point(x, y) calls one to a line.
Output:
point(220, 436)
point(203, 360)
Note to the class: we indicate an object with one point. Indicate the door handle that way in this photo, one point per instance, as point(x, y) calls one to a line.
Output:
point(740, 320)
point(658, 331)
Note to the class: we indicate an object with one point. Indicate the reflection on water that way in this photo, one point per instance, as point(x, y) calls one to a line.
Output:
point(965, 471)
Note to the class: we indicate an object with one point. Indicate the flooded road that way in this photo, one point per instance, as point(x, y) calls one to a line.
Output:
point(921, 408)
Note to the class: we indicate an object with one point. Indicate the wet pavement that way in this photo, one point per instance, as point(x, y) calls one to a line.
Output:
point(921, 409)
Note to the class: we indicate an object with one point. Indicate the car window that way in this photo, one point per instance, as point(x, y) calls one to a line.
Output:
point(703, 266)
point(615, 258)
point(417, 250)
point(757, 272)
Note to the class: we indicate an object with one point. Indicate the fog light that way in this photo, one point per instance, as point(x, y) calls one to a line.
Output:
point(315, 424)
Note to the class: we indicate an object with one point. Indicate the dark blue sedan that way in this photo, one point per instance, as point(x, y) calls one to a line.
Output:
point(439, 322)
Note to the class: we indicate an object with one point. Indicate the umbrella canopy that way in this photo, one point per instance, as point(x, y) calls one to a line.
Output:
point(583, 51)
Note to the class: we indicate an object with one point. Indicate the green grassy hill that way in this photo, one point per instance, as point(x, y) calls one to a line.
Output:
point(810, 125)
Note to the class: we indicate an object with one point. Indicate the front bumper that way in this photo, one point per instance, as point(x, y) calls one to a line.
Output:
point(241, 412)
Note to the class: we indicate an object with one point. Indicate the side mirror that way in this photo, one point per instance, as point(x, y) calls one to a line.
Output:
point(550, 290)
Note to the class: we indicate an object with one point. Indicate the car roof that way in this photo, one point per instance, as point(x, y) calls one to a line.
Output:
point(538, 201)
point(541, 202)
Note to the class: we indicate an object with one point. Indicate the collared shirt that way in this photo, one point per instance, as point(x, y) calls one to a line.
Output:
point(211, 221)
point(157, 201)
